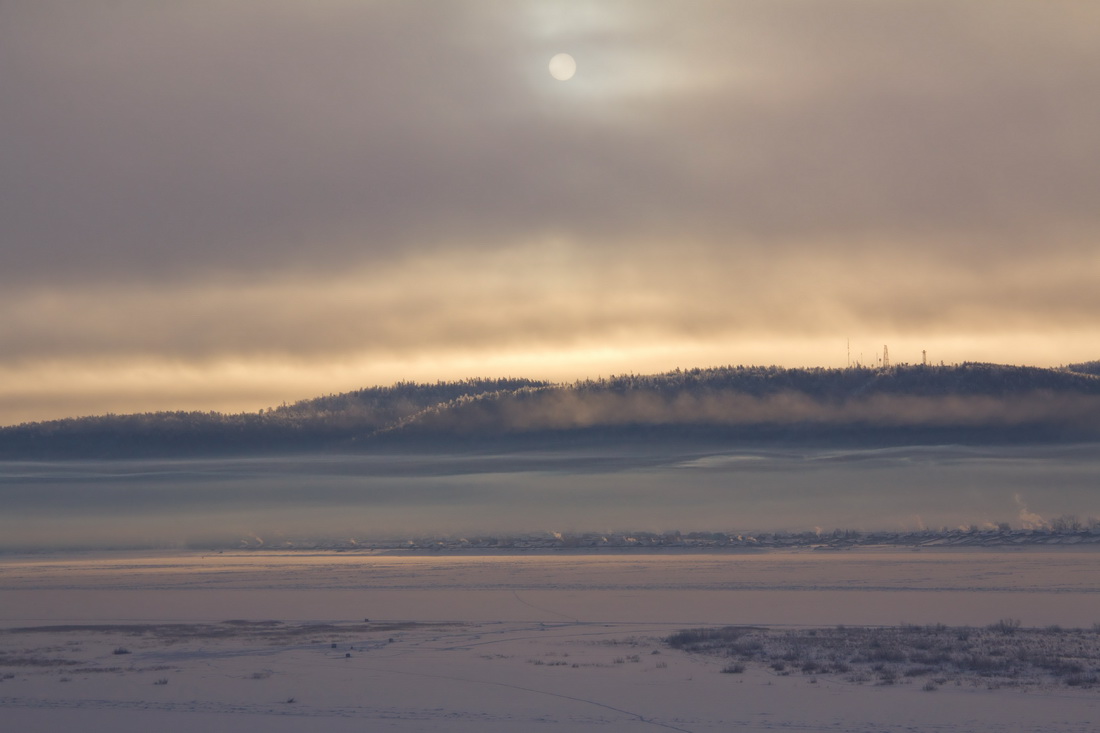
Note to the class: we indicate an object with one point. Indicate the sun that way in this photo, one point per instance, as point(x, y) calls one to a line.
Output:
point(562, 67)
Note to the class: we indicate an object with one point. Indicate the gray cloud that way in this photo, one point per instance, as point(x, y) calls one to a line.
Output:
point(191, 181)
point(155, 139)
point(548, 295)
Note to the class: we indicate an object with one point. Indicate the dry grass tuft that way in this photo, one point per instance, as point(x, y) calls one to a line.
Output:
point(1000, 655)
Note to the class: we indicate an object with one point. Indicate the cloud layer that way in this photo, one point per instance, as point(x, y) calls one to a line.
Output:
point(325, 195)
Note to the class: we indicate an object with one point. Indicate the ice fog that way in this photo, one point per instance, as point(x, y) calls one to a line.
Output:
point(227, 502)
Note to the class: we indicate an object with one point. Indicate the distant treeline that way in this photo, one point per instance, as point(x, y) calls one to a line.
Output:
point(915, 404)
point(321, 423)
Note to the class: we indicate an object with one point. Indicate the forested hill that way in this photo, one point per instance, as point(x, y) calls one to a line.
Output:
point(1088, 367)
point(925, 404)
point(322, 423)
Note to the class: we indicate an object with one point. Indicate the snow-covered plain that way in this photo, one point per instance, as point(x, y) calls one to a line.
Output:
point(562, 642)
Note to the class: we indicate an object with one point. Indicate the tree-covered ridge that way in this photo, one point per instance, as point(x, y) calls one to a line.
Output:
point(1086, 367)
point(721, 403)
point(966, 378)
point(381, 406)
point(967, 395)
point(313, 424)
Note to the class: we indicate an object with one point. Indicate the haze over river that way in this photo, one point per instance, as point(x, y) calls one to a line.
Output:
point(226, 501)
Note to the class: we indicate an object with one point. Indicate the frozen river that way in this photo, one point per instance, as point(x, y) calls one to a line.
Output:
point(971, 587)
point(565, 642)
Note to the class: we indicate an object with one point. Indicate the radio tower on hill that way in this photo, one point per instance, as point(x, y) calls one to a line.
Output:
point(885, 356)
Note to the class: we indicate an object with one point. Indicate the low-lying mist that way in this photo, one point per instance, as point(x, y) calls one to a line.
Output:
point(232, 502)
point(565, 409)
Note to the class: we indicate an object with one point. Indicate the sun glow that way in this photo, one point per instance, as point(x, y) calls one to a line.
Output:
point(563, 67)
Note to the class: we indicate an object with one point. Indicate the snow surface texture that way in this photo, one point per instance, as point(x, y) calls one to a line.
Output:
point(126, 642)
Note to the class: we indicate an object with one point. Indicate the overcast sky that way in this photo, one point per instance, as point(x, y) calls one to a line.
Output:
point(229, 204)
